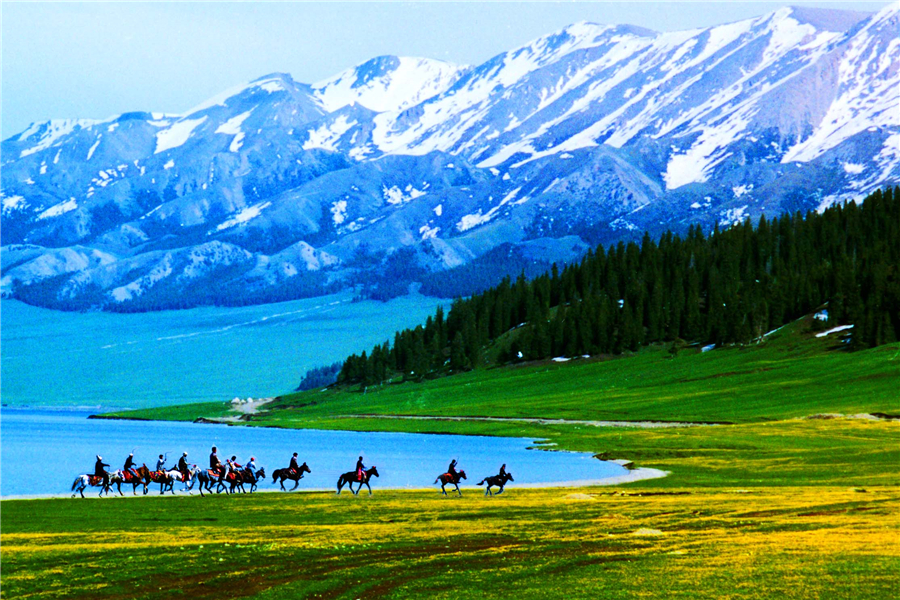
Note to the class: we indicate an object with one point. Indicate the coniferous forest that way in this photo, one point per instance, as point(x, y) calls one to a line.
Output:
point(729, 287)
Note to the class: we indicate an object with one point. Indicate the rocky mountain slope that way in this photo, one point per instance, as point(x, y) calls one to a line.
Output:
point(402, 170)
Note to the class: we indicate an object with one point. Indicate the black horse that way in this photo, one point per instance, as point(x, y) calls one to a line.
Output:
point(248, 476)
point(448, 478)
point(498, 480)
point(280, 475)
point(350, 478)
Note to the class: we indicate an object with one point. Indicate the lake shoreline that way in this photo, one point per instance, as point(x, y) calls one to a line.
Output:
point(640, 474)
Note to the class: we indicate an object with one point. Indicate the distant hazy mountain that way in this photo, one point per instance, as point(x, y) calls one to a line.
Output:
point(405, 169)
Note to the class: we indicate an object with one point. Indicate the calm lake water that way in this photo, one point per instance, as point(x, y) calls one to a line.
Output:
point(43, 450)
point(52, 358)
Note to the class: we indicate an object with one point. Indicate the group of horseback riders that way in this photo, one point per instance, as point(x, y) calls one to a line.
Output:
point(231, 469)
point(216, 466)
point(453, 476)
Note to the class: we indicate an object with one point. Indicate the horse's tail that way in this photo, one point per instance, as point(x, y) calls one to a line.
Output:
point(275, 475)
point(75, 484)
point(438, 479)
point(482, 481)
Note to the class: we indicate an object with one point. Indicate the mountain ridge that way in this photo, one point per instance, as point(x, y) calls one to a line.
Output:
point(402, 168)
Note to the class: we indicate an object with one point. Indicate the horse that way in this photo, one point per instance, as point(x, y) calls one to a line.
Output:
point(165, 479)
point(295, 476)
point(143, 478)
point(248, 476)
point(448, 478)
point(350, 479)
point(203, 477)
point(498, 480)
point(83, 481)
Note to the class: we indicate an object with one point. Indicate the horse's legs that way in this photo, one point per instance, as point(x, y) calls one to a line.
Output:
point(443, 491)
point(501, 490)
point(296, 483)
point(457, 490)
point(368, 486)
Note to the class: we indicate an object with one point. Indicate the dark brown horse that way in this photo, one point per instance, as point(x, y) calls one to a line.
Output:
point(448, 478)
point(143, 478)
point(498, 480)
point(280, 475)
point(248, 476)
point(350, 478)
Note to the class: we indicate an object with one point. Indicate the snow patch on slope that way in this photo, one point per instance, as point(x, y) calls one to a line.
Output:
point(251, 212)
point(328, 135)
point(58, 209)
point(387, 83)
point(177, 134)
point(52, 131)
point(233, 127)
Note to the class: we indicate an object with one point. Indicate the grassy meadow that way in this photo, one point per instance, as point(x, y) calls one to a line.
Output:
point(791, 542)
point(766, 503)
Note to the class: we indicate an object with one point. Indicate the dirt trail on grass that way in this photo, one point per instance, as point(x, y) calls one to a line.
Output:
point(634, 424)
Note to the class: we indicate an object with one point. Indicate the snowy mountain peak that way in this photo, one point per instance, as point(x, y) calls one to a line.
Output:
point(825, 19)
point(273, 83)
point(403, 167)
point(387, 83)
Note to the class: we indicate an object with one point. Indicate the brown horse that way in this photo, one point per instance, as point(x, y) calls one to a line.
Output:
point(448, 478)
point(350, 478)
point(165, 479)
point(143, 478)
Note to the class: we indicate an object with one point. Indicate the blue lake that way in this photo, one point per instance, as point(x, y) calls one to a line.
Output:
point(52, 358)
point(43, 450)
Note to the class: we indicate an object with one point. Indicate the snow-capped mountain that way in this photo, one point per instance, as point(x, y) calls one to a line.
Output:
point(406, 169)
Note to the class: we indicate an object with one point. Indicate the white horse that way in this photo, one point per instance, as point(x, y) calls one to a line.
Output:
point(82, 482)
point(167, 479)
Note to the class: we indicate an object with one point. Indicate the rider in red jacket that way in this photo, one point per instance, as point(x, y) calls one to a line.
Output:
point(360, 469)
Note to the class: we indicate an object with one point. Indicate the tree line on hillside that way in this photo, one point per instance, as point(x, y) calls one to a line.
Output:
point(730, 287)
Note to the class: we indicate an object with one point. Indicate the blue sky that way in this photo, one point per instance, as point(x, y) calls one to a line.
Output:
point(94, 60)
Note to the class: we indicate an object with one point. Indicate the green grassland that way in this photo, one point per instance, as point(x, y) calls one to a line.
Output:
point(767, 503)
point(760, 396)
point(795, 542)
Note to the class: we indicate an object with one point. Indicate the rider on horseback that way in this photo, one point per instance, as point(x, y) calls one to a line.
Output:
point(502, 470)
point(129, 466)
point(215, 465)
point(161, 464)
point(99, 471)
point(295, 466)
point(250, 467)
point(360, 469)
point(451, 470)
point(183, 467)
point(233, 466)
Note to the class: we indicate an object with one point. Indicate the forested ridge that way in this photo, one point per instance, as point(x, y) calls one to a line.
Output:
point(730, 287)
